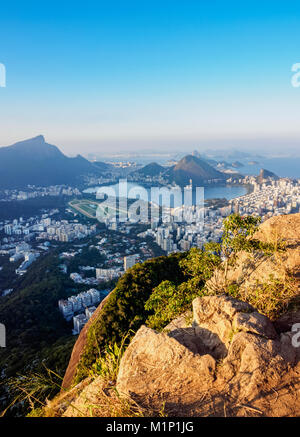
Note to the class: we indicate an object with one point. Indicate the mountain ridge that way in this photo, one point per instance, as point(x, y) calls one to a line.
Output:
point(266, 175)
point(151, 169)
point(36, 162)
point(193, 168)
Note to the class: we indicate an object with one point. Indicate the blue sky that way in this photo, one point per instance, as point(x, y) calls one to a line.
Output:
point(164, 75)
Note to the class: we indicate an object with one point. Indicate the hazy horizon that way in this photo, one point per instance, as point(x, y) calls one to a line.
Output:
point(263, 147)
point(125, 78)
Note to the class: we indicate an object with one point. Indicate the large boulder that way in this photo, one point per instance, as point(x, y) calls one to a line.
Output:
point(230, 353)
point(228, 359)
point(252, 268)
point(157, 365)
point(218, 318)
point(252, 360)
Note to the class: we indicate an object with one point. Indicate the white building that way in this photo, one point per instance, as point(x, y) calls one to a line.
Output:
point(106, 273)
point(129, 261)
point(8, 229)
point(95, 295)
point(66, 308)
point(78, 322)
point(89, 312)
point(76, 303)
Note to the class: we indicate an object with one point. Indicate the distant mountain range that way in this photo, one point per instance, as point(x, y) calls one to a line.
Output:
point(36, 162)
point(189, 168)
point(102, 166)
point(237, 164)
point(152, 169)
point(229, 155)
point(266, 175)
point(193, 168)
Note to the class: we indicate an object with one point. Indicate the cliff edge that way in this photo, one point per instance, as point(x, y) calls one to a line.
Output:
point(225, 358)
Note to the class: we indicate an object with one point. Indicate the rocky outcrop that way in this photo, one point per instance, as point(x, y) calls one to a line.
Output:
point(218, 318)
point(224, 357)
point(266, 175)
point(79, 347)
point(287, 320)
point(230, 353)
point(251, 269)
point(157, 364)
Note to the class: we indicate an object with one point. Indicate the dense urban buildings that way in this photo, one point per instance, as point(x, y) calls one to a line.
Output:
point(24, 240)
point(275, 197)
point(80, 307)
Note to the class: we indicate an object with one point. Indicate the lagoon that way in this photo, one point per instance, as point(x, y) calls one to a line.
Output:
point(217, 192)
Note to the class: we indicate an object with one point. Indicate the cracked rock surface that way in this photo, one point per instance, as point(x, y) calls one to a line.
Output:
point(229, 358)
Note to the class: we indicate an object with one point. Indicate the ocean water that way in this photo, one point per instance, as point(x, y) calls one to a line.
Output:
point(282, 167)
point(228, 192)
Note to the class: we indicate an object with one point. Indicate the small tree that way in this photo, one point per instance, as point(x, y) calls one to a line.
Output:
point(198, 266)
point(238, 235)
point(169, 300)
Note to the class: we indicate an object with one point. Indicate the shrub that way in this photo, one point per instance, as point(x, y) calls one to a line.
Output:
point(125, 309)
point(108, 363)
point(160, 289)
point(271, 298)
point(169, 300)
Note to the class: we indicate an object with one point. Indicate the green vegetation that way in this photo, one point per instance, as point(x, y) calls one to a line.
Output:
point(108, 402)
point(89, 256)
point(30, 313)
point(169, 300)
point(160, 289)
point(271, 298)
point(31, 388)
point(86, 207)
point(37, 335)
point(31, 207)
point(108, 362)
point(238, 235)
point(7, 274)
point(157, 291)
point(125, 309)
